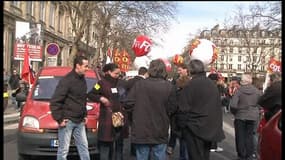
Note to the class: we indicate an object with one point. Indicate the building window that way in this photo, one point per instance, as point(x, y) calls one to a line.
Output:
point(262, 68)
point(230, 66)
point(52, 14)
point(42, 10)
point(60, 25)
point(231, 50)
point(231, 58)
point(29, 7)
point(222, 66)
point(222, 57)
point(247, 67)
point(239, 66)
point(254, 58)
point(239, 58)
point(16, 3)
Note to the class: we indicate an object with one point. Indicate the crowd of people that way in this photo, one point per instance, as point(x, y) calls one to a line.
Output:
point(155, 113)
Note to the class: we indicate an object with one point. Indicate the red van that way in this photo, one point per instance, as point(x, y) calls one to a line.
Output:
point(37, 131)
point(270, 139)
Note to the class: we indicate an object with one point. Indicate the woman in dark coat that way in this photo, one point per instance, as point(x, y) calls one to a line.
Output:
point(106, 91)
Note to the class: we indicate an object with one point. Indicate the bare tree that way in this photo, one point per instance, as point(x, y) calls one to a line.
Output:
point(119, 22)
point(80, 14)
point(252, 24)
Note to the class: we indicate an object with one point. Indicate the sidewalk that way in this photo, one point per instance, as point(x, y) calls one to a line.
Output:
point(11, 115)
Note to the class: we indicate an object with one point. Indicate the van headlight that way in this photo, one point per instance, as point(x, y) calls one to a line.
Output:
point(88, 107)
point(31, 122)
point(31, 125)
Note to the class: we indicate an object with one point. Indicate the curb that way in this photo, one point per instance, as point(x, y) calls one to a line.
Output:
point(11, 118)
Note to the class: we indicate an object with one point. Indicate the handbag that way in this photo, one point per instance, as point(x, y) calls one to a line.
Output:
point(117, 119)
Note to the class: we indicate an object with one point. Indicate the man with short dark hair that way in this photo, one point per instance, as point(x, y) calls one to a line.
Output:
point(68, 108)
point(142, 74)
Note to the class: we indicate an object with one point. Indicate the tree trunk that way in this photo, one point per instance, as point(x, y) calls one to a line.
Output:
point(74, 50)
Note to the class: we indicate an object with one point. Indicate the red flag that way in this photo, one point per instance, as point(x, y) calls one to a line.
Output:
point(27, 74)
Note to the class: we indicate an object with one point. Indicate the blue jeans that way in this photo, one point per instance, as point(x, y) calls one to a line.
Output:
point(143, 151)
point(79, 134)
point(106, 149)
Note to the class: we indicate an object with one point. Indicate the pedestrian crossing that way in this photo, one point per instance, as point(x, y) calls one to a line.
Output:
point(11, 126)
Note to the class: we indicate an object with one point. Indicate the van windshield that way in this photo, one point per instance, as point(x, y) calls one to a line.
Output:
point(45, 87)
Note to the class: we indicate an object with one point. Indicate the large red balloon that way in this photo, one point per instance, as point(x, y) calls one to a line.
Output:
point(142, 45)
point(167, 64)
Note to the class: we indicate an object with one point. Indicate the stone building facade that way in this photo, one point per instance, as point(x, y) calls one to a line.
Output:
point(244, 51)
point(55, 28)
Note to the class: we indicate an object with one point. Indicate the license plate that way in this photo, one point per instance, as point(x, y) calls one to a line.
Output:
point(54, 143)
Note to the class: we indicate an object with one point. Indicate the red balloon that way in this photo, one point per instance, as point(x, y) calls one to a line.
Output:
point(142, 45)
point(167, 65)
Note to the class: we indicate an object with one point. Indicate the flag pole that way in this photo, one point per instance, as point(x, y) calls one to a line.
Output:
point(29, 76)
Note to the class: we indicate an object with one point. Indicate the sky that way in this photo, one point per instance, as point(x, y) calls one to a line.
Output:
point(191, 17)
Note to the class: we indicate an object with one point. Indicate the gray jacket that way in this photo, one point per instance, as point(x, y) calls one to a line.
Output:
point(244, 102)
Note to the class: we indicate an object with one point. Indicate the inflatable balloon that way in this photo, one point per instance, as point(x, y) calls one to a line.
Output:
point(177, 59)
point(167, 64)
point(142, 45)
point(142, 61)
point(204, 50)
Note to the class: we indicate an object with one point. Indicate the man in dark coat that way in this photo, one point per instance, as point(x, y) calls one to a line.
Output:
point(271, 99)
point(151, 101)
point(14, 83)
point(68, 109)
point(142, 74)
point(201, 119)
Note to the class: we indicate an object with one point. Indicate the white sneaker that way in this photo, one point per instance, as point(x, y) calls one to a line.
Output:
point(219, 149)
point(212, 150)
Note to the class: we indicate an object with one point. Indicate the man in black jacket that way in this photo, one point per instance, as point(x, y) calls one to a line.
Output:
point(142, 74)
point(201, 119)
point(151, 101)
point(68, 108)
point(271, 99)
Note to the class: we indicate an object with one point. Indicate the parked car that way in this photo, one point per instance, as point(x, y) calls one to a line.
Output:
point(269, 142)
point(38, 131)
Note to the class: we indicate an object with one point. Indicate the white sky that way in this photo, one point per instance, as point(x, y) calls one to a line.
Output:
point(191, 17)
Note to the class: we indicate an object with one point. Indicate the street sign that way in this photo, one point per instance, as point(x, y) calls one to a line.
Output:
point(52, 49)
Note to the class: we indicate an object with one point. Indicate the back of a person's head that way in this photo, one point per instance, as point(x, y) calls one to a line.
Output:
point(157, 69)
point(142, 70)
point(196, 66)
point(213, 76)
point(109, 67)
point(275, 77)
point(246, 79)
point(182, 65)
